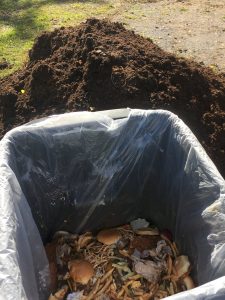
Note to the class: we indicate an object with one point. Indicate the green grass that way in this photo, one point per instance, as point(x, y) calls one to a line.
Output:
point(183, 9)
point(130, 16)
point(22, 20)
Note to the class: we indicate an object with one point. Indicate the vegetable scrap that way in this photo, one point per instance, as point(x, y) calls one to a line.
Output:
point(133, 261)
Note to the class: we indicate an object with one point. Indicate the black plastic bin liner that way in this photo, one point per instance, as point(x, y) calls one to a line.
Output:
point(86, 171)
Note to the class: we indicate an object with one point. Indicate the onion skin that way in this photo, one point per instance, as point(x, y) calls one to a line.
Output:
point(188, 282)
point(167, 233)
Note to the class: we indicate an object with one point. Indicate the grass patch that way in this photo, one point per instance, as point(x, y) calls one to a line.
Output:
point(22, 20)
point(135, 13)
point(130, 16)
point(183, 9)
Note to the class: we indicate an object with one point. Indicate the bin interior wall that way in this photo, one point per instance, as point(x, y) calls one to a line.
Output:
point(91, 177)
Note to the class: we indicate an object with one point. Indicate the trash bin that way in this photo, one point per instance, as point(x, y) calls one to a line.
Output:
point(86, 171)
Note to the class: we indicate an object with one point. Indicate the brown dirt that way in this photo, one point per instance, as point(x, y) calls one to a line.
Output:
point(101, 65)
point(4, 64)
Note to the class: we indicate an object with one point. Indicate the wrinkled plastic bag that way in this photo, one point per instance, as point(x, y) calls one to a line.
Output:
point(86, 171)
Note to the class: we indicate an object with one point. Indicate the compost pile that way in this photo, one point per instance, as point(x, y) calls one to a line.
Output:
point(101, 65)
point(127, 262)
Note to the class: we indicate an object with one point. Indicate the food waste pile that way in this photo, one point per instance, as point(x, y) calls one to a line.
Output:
point(133, 261)
point(101, 65)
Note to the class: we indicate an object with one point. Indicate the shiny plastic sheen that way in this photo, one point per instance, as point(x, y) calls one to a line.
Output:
point(86, 171)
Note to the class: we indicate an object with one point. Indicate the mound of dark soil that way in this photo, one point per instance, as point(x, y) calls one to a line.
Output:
point(101, 65)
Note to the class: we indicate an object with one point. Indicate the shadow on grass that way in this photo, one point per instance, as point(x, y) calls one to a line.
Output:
point(25, 24)
point(22, 15)
point(14, 5)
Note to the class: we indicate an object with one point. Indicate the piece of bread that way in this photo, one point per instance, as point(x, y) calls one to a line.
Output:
point(109, 236)
point(80, 270)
